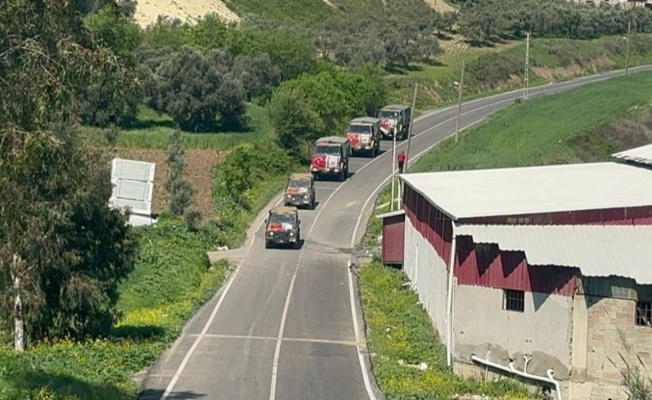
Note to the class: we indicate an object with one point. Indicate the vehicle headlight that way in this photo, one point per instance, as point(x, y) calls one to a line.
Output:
point(291, 233)
point(305, 196)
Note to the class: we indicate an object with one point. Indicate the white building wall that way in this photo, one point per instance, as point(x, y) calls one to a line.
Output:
point(428, 272)
point(543, 330)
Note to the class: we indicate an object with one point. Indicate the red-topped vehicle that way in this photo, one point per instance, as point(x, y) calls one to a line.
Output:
point(330, 156)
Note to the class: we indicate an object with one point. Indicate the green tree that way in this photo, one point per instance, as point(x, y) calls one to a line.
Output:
point(203, 97)
point(179, 189)
point(296, 124)
point(62, 250)
point(111, 101)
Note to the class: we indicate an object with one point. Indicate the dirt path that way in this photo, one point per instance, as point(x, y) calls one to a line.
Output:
point(149, 10)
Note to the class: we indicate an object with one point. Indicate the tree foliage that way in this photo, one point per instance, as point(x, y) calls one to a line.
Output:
point(54, 192)
point(201, 98)
point(179, 189)
point(489, 20)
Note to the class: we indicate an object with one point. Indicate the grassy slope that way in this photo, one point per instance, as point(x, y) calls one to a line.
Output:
point(550, 59)
point(554, 132)
point(586, 124)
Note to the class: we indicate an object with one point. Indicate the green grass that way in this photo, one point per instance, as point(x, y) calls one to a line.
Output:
point(306, 11)
point(171, 280)
point(549, 130)
point(400, 329)
point(157, 129)
point(491, 70)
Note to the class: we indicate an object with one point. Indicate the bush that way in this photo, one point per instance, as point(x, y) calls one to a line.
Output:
point(244, 182)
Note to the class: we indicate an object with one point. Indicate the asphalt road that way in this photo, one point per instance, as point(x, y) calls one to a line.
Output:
point(287, 325)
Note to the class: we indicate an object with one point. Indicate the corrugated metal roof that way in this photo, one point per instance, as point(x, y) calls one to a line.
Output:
point(133, 186)
point(641, 155)
point(597, 250)
point(531, 190)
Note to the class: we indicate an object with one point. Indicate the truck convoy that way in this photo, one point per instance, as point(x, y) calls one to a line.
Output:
point(395, 121)
point(330, 156)
point(364, 134)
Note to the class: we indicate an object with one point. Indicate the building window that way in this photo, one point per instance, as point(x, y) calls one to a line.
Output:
point(514, 300)
point(644, 313)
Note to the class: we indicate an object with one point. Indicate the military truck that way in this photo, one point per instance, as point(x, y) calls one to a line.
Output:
point(330, 156)
point(282, 227)
point(300, 191)
point(364, 134)
point(395, 121)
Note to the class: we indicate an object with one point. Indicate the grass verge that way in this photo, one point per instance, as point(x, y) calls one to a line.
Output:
point(585, 124)
point(171, 280)
point(399, 329)
point(500, 68)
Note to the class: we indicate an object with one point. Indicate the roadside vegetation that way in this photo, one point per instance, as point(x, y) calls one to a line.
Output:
point(226, 112)
point(587, 124)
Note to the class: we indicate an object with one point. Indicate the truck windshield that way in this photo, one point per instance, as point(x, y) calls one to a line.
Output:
point(299, 183)
point(364, 129)
point(328, 150)
point(388, 114)
point(281, 218)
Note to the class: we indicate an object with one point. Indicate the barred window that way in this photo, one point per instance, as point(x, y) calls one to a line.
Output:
point(514, 300)
point(644, 313)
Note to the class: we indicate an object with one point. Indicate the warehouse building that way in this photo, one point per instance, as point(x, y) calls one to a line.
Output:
point(551, 269)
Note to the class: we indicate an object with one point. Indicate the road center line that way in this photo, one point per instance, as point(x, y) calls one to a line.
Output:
point(286, 307)
point(194, 346)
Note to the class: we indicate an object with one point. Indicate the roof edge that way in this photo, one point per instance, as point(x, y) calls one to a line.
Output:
point(430, 200)
point(391, 214)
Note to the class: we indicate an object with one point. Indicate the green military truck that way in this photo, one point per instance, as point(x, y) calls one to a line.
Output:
point(282, 227)
point(330, 157)
point(364, 134)
point(395, 121)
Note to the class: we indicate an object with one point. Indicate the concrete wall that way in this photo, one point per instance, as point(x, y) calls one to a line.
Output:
point(605, 330)
point(428, 271)
point(543, 330)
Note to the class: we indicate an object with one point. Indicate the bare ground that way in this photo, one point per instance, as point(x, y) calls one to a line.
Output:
point(198, 171)
point(440, 5)
point(148, 11)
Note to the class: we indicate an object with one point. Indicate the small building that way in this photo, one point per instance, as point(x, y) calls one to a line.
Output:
point(550, 267)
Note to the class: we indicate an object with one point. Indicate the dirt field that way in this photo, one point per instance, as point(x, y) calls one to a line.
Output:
point(199, 170)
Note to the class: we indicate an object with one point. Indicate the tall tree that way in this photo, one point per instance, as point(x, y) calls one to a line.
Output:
point(62, 250)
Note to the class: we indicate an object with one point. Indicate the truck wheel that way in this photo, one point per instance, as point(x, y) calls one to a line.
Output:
point(297, 245)
point(312, 204)
point(267, 244)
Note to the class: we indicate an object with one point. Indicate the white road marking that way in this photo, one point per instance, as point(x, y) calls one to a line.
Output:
point(286, 307)
point(194, 346)
point(270, 338)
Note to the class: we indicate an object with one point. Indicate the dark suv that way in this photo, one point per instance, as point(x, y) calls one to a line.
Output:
point(282, 227)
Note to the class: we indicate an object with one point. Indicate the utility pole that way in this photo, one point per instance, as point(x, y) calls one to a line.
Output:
point(407, 152)
point(391, 200)
point(409, 140)
point(459, 103)
point(526, 82)
point(629, 32)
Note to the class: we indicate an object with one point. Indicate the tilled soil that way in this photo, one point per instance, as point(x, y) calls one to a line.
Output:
point(198, 171)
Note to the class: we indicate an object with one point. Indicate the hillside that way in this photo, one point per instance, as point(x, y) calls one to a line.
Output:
point(583, 125)
point(148, 11)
